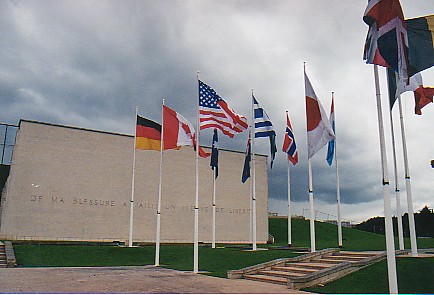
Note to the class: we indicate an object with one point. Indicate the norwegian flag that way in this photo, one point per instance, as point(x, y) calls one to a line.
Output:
point(289, 145)
point(214, 112)
point(387, 42)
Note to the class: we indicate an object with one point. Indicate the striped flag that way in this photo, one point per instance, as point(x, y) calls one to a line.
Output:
point(214, 112)
point(264, 128)
point(331, 146)
point(289, 145)
point(148, 134)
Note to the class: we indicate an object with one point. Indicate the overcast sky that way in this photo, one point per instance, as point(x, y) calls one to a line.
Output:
point(89, 63)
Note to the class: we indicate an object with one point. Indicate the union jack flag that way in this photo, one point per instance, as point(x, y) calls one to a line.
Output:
point(289, 145)
point(214, 112)
point(387, 42)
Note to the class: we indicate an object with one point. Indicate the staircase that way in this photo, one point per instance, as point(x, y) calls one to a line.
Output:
point(309, 270)
point(3, 262)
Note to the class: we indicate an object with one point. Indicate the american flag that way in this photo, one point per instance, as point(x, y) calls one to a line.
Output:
point(289, 146)
point(215, 113)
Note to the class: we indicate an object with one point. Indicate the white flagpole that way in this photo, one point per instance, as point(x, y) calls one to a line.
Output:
point(213, 208)
point(390, 244)
point(412, 227)
point(338, 189)
point(251, 190)
point(312, 212)
point(196, 204)
point(254, 248)
point(289, 200)
point(157, 238)
point(289, 205)
point(397, 195)
point(130, 235)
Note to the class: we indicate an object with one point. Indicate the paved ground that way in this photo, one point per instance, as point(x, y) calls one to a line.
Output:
point(146, 279)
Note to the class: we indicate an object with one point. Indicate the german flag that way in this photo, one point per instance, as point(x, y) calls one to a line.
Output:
point(148, 134)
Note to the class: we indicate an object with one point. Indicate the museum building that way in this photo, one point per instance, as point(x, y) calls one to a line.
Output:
point(67, 183)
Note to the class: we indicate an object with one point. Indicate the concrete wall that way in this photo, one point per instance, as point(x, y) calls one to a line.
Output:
point(75, 184)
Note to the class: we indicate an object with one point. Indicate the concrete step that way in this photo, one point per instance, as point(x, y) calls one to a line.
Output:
point(331, 260)
point(266, 279)
point(367, 254)
point(283, 274)
point(350, 257)
point(294, 269)
point(313, 265)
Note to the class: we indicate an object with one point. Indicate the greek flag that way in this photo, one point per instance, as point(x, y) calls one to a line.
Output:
point(264, 128)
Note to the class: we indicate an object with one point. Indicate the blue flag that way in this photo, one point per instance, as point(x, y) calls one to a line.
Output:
point(215, 154)
point(331, 146)
point(246, 168)
point(264, 128)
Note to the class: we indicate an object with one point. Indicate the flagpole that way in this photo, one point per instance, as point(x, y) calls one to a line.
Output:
point(196, 204)
point(252, 130)
point(413, 241)
point(338, 188)
point(312, 212)
point(311, 208)
point(289, 199)
point(390, 245)
point(251, 189)
point(213, 206)
point(289, 205)
point(157, 239)
point(397, 195)
point(130, 235)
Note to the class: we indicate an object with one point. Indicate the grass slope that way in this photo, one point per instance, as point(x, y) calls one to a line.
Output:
point(327, 236)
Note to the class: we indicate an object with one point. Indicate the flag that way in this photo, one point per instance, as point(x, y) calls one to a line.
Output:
point(215, 154)
point(289, 145)
point(215, 113)
point(148, 134)
point(422, 95)
point(420, 54)
point(420, 43)
point(246, 168)
point(319, 130)
point(387, 42)
point(264, 128)
point(331, 146)
point(178, 131)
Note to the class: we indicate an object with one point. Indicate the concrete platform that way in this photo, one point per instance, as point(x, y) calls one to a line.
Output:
point(143, 279)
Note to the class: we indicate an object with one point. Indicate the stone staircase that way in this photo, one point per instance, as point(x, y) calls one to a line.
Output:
point(3, 261)
point(309, 270)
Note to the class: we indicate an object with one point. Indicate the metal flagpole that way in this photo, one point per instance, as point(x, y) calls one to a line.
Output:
point(338, 189)
point(390, 244)
point(397, 195)
point(412, 227)
point(251, 191)
point(289, 203)
point(213, 208)
point(254, 248)
point(130, 235)
point(312, 212)
point(196, 204)
point(157, 238)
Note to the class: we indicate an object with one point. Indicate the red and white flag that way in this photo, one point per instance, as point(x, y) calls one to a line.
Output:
point(178, 132)
point(319, 130)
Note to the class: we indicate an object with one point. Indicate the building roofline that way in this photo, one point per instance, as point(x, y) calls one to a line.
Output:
point(111, 133)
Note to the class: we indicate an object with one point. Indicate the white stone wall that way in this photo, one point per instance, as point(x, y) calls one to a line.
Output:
point(75, 184)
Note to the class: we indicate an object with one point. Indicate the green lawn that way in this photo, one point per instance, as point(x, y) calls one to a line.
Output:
point(414, 276)
point(214, 261)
